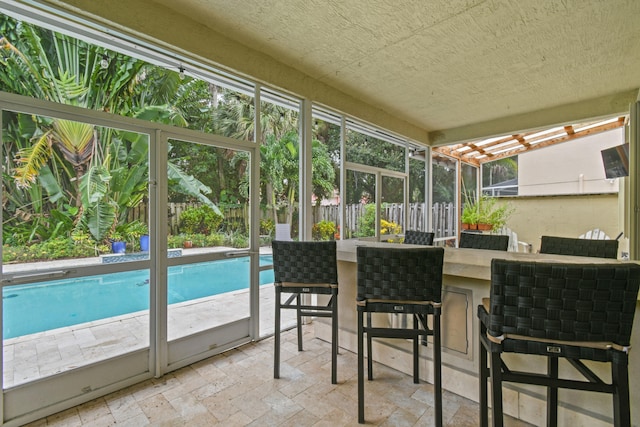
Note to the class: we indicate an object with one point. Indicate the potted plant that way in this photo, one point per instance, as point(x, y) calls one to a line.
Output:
point(491, 213)
point(137, 233)
point(469, 216)
point(118, 243)
point(485, 213)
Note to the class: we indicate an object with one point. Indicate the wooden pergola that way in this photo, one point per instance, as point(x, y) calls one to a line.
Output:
point(488, 150)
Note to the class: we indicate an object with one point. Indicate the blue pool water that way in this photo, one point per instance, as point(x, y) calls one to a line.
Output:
point(39, 307)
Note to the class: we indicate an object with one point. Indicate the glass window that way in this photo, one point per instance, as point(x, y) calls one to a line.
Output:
point(360, 197)
point(444, 196)
point(371, 151)
point(44, 64)
point(500, 177)
point(417, 195)
point(326, 176)
point(392, 206)
point(72, 196)
point(280, 161)
point(469, 184)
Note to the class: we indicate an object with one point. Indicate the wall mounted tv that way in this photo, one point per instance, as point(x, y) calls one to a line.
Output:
point(616, 161)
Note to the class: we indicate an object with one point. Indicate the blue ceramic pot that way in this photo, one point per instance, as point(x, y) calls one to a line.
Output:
point(118, 247)
point(144, 243)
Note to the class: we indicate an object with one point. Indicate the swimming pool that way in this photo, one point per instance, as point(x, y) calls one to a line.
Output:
point(38, 307)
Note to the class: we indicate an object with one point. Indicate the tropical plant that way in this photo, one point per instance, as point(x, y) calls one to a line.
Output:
point(56, 164)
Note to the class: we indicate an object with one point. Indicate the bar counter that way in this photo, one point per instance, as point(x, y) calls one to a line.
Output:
point(466, 281)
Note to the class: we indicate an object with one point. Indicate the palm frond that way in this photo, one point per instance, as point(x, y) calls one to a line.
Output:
point(190, 186)
point(75, 140)
point(31, 160)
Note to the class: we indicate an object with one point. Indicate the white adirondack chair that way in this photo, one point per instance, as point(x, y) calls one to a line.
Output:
point(514, 243)
point(595, 234)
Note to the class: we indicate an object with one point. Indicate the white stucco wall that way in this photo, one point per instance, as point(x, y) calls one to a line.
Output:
point(573, 167)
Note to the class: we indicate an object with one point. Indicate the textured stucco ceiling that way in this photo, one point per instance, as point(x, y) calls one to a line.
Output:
point(446, 64)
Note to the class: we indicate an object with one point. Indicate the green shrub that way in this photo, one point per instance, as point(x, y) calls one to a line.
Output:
point(52, 249)
point(174, 242)
point(366, 224)
point(215, 239)
point(202, 220)
point(267, 226)
point(236, 240)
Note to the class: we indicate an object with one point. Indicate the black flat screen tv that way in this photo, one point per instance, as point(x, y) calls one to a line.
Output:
point(616, 161)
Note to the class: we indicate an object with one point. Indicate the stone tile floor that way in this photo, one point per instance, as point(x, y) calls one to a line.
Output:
point(237, 388)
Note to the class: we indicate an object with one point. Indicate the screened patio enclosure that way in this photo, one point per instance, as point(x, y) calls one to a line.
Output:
point(173, 145)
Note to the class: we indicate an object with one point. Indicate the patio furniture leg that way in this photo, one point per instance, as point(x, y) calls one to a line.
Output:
point(437, 365)
point(276, 350)
point(361, 368)
point(621, 404)
point(484, 377)
point(299, 320)
point(369, 350)
point(416, 347)
point(496, 389)
point(334, 336)
point(552, 393)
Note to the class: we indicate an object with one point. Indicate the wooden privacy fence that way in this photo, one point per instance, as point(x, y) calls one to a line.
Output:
point(443, 214)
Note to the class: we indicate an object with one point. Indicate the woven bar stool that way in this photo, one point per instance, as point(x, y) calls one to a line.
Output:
point(412, 237)
point(408, 281)
point(494, 242)
point(564, 311)
point(306, 268)
point(579, 247)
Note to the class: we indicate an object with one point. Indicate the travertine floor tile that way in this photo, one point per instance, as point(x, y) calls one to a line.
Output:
point(237, 388)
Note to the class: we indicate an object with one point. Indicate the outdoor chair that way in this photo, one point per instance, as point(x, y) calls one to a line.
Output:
point(564, 311)
point(514, 243)
point(579, 247)
point(306, 268)
point(595, 234)
point(407, 281)
point(493, 242)
point(413, 237)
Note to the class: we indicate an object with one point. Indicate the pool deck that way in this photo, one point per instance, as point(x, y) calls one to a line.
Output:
point(34, 356)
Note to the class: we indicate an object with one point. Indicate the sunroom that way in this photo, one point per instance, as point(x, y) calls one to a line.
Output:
point(167, 146)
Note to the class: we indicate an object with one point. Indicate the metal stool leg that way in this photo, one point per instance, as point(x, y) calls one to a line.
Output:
point(361, 368)
point(552, 393)
point(276, 350)
point(416, 364)
point(369, 349)
point(299, 321)
point(621, 404)
point(483, 374)
point(496, 389)
point(334, 336)
point(437, 365)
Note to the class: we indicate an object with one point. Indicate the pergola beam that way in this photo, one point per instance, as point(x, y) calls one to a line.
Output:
point(479, 152)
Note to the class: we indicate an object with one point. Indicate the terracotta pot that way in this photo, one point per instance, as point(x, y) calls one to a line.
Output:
point(187, 244)
point(485, 227)
point(465, 226)
point(473, 226)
